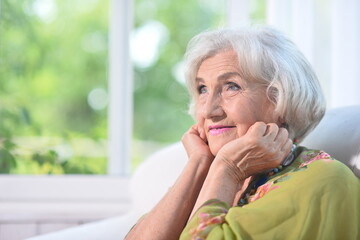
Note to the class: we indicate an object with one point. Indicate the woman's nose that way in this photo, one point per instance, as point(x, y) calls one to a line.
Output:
point(212, 108)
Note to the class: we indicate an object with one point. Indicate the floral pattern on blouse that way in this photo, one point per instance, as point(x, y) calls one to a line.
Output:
point(312, 156)
point(308, 158)
point(262, 190)
point(208, 222)
point(206, 225)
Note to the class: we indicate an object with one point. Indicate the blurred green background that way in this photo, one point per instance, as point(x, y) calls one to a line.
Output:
point(53, 79)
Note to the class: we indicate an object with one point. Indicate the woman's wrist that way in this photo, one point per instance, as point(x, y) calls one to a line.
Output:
point(224, 182)
point(197, 168)
point(230, 168)
point(201, 159)
point(219, 184)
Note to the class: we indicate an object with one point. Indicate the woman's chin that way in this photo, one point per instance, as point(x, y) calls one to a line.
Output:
point(216, 145)
point(213, 152)
point(214, 149)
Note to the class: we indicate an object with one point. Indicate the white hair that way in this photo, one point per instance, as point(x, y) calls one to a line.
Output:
point(265, 56)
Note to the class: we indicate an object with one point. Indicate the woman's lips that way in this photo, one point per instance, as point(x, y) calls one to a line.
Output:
point(216, 130)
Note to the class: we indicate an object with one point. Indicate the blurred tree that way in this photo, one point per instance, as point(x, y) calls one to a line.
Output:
point(53, 54)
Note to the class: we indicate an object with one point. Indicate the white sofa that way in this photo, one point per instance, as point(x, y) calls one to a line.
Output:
point(338, 134)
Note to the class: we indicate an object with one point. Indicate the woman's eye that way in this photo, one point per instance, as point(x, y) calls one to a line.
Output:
point(231, 86)
point(202, 89)
point(231, 89)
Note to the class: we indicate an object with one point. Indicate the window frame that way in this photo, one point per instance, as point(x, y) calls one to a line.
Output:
point(120, 88)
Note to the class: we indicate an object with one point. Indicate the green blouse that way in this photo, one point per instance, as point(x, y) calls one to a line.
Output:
point(316, 197)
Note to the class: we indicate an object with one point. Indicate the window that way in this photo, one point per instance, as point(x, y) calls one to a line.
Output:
point(53, 89)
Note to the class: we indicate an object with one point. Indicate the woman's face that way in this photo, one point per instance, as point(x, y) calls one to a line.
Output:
point(228, 105)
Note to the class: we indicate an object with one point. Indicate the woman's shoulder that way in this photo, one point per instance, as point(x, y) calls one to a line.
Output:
point(319, 166)
point(321, 160)
point(313, 170)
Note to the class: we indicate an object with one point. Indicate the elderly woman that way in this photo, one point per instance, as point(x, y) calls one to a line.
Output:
point(254, 98)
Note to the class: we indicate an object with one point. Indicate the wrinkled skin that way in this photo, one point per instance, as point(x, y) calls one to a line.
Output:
point(263, 147)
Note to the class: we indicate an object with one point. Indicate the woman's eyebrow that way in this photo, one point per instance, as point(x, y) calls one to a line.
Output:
point(228, 75)
point(199, 80)
point(222, 77)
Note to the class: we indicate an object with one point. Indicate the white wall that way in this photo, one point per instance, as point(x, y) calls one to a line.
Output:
point(328, 33)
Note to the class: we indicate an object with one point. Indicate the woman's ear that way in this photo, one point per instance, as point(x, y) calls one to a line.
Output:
point(283, 124)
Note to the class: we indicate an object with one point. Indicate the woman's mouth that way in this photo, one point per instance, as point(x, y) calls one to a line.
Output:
point(216, 130)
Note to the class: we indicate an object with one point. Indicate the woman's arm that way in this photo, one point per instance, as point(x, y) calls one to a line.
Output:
point(169, 217)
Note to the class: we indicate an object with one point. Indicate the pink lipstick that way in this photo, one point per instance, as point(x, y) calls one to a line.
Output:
point(216, 130)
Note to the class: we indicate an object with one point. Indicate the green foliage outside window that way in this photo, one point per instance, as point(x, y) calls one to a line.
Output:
point(52, 55)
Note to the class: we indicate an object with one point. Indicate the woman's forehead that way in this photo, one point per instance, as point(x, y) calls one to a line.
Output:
point(222, 61)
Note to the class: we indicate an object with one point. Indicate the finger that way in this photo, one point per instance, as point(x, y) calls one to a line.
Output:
point(200, 122)
point(272, 131)
point(286, 149)
point(198, 131)
point(258, 129)
point(193, 130)
point(282, 136)
point(202, 133)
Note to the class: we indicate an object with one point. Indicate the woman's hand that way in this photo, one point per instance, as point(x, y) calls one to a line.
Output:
point(195, 143)
point(263, 147)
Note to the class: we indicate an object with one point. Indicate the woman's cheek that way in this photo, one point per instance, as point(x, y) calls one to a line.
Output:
point(217, 142)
